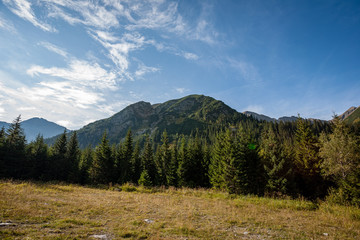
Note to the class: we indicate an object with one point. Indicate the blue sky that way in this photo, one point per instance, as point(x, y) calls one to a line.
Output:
point(73, 62)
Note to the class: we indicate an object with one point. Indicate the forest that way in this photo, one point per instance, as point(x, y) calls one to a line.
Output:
point(307, 158)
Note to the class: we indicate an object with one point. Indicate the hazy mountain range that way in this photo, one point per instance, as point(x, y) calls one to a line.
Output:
point(35, 126)
point(178, 116)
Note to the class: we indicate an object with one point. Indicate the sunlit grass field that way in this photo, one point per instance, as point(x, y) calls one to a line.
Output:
point(58, 211)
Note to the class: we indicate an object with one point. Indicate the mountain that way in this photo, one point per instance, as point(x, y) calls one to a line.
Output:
point(353, 116)
point(179, 116)
point(35, 126)
point(259, 117)
point(262, 117)
point(4, 125)
point(347, 113)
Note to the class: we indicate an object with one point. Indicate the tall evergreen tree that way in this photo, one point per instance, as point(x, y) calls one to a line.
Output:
point(127, 157)
point(59, 163)
point(101, 170)
point(2, 152)
point(341, 153)
point(147, 160)
point(87, 157)
point(39, 159)
point(136, 163)
point(73, 155)
point(276, 162)
point(16, 164)
point(307, 161)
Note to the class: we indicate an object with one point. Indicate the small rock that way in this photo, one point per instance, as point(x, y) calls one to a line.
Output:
point(246, 233)
point(99, 236)
point(7, 224)
point(149, 221)
point(325, 234)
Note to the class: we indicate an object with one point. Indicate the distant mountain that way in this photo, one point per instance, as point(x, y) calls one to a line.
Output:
point(179, 116)
point(347, 113)
point(352, 116)
point(259, 117)
point(35, 126)
point(4, 125)
point(262, 117)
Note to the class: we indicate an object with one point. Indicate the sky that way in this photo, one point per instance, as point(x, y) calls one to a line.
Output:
point(74, 62)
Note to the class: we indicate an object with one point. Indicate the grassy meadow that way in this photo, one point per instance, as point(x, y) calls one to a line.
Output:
point(56, 211)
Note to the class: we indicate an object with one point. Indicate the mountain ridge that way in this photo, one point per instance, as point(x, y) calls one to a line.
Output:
point(35, 126)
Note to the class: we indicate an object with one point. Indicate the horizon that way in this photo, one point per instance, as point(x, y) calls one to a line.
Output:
point(73, 63)
point(38, 117)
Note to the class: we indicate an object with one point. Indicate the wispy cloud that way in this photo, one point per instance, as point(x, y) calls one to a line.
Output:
point(255, 108)
point(7, 25)
point(181, 90)
point(53, 48)
point(81, 72)
point(23, 9)
point(247, 70)
point(142, 70)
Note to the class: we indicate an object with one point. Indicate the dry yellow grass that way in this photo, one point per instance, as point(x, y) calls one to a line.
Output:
point(55, 211)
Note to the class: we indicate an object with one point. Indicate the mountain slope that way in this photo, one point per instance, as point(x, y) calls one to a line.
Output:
point(354, 116)
point(179, 116)
point(35, 126)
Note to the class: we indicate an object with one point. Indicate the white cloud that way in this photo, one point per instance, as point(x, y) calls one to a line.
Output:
point(247, 70)
point(255, 108)
point(53, 48)
point(81, 72)
point(190, 56)
point(142, 70)
point(7, 25)
point(65, 123)
point(23, 9)
point(181, 90)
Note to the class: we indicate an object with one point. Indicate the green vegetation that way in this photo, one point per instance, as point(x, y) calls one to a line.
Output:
point(314, 160)
point(57, 211)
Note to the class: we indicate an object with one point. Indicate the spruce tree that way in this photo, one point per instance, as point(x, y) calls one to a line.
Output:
point(136, 163)
point(39, 159)
point(59, 163)
point(16, 164)
point(341, 153)
point(308, 161)
point(2, 152)
point(101, 170)
point(147, 160)
point(276, 162)
point(87, 157)
point(73, 155)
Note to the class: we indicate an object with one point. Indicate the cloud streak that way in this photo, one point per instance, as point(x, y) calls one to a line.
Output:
point(22, 8)
point(81, 72)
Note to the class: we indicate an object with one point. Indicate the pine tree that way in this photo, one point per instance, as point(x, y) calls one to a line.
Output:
point(147, 160)
point(86, 160)
point(172, 179)
point(127, 156)
point(145, 179)
point(136, 163)
point(39, 159)
point(308, 162)
point(101, 170)
point(276, 162)
point(16, 164)
point(73, 155)
point(341, 153)
point(2, 152)
point(59, 163)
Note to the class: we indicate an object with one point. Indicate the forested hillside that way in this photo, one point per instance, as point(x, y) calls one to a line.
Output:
point(303, 158)
point(179, 116)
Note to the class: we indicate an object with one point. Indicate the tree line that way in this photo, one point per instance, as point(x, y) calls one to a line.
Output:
point(312, 159)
